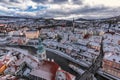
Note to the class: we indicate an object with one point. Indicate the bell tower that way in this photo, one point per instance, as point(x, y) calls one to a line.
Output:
point(41, 52)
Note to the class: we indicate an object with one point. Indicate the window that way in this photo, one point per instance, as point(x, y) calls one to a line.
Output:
point(114, 60)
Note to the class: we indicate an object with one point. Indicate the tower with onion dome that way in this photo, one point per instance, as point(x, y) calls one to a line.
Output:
point(41, 52)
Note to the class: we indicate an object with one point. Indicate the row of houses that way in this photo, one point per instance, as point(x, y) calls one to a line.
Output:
point(111, 60)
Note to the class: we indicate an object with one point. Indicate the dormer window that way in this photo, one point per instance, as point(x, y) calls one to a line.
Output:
point(117, 54)
point(113, 59)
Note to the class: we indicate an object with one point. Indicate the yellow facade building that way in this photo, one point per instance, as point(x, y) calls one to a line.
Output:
point(31, 34)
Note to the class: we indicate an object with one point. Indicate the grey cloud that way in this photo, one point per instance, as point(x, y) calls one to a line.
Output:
point(77, 1)
point(7, 1)
point(3, 1)
point(87, 12)
point(40, 1)
point(88, 9)
point(60, 1)
point(98, 11)
point(53, 1)
point(77, 11)
point(15, 1)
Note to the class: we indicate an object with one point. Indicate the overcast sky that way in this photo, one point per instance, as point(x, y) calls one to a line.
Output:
point(61, 9)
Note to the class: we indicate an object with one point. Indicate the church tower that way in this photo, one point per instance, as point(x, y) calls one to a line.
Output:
point(41, 52)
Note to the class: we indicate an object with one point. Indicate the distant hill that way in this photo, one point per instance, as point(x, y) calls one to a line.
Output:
point(81, 19)
point(15, 17)
point(111, 18)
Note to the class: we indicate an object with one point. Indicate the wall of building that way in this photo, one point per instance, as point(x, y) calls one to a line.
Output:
point(111, 67)
point(32, 34)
